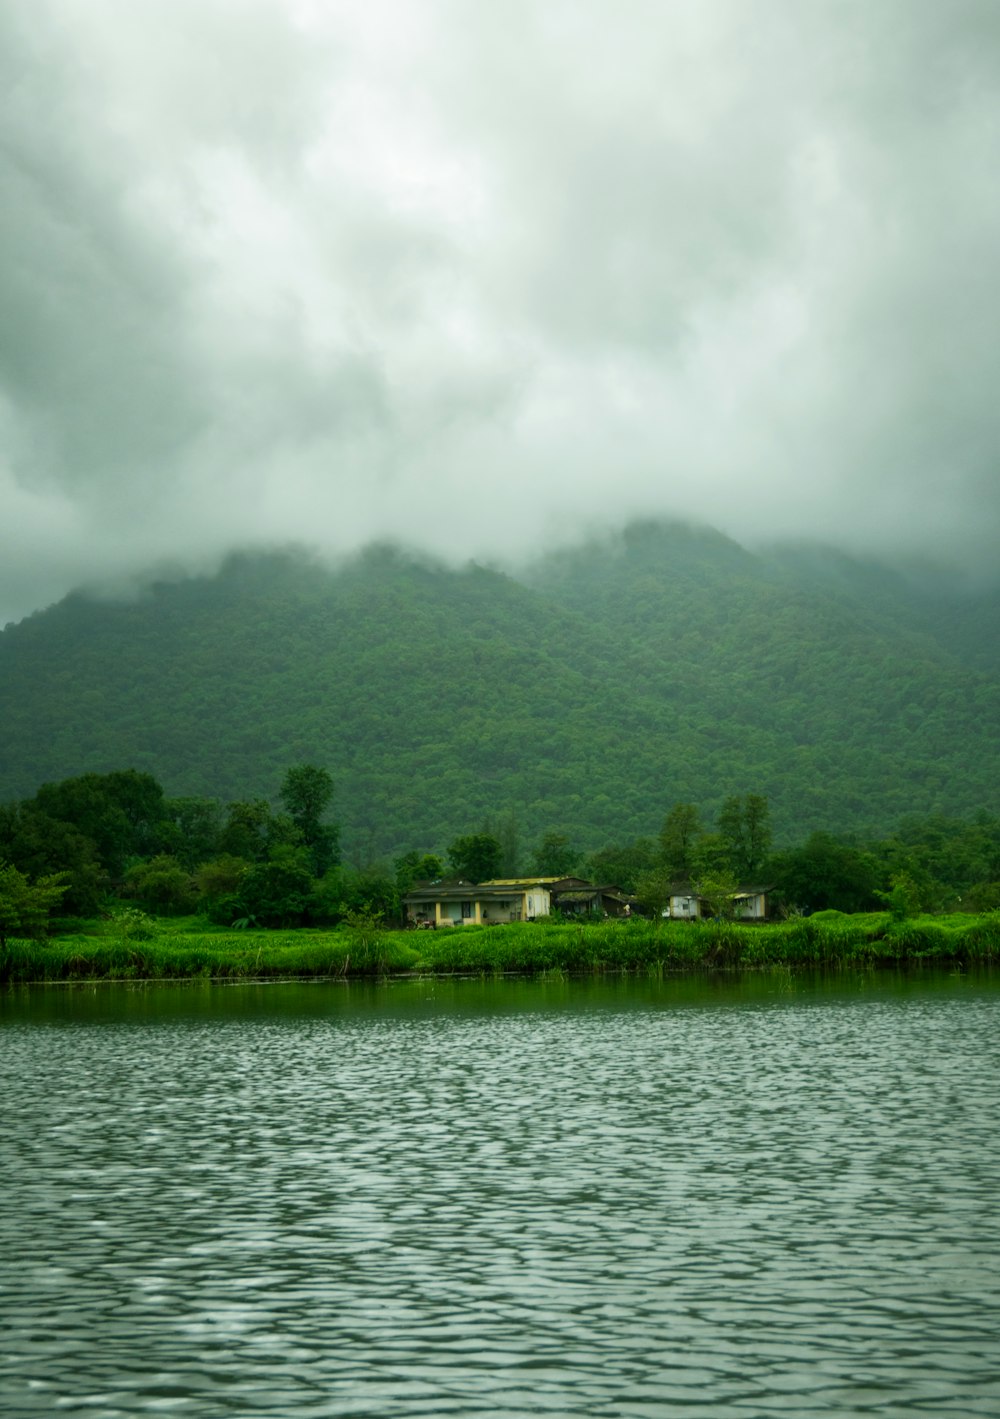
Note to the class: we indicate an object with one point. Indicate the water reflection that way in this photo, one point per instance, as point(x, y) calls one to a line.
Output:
point(753, 1196)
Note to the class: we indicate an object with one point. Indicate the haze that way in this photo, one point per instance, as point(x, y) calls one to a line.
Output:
point(483, 278)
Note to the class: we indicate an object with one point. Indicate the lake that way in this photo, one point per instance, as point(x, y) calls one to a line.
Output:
point(759, 1196)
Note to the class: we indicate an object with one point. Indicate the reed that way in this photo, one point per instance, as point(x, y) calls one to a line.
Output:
point(527, 948)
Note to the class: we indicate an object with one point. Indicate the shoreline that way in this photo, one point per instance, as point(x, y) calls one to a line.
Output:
point(517, 950)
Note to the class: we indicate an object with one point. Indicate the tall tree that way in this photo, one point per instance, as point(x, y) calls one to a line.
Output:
point(192, 829)
point(826, 873)
point(555, 856)
point(306, 792)
point(416, 866)
point(249, 830)
point(745, 827)
point(681, 830)
point(622, 866)
point(475, 857)
point(653, 891)
point(711, 855)
point(40, 846)
point(731, 830)
point(508, 835)
point(119, 812)
point(756, 834)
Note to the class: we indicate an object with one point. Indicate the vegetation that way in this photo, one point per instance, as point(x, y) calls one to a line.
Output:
point(121, 843)
point(129, 950)
point(25, 906)
point(664, 708)
point(579, 700)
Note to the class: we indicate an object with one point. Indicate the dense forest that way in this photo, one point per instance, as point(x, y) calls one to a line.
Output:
point(582, 697)
point(104, 844)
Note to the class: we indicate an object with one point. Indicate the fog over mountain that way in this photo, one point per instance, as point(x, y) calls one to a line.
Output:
point(482, 278)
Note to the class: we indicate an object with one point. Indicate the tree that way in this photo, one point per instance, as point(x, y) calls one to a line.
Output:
point(121, 813)
point(161, 885)
point(476, 857)
point(653, 892)
point(555, 856)
point(25, 906)
point(276, 893)
point(40, 846)
point(218, 888)
point(306, 792)
point(756, 835)
point(825, 874)
point(370, 894)
point(140, 798)
point(417, 867)
point(902, 900)
point(248, 830)
point(745, 828)
point(681, 830)
point(622, 866)
point(718, 892)
point(191, 829)
point(983, 897)
point(508, 835)
point(710, 855)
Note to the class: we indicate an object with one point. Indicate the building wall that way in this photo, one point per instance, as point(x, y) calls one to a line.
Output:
point(536, 902)
point(753, 908)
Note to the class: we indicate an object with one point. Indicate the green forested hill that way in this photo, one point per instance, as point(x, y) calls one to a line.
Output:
point(587, 695)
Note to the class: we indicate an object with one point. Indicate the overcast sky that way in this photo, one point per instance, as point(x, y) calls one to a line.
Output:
point(482, 274)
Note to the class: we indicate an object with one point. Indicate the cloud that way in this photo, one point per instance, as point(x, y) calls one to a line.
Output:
point(483, 277)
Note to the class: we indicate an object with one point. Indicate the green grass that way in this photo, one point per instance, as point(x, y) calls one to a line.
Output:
point(178, 955)
point(187, 948)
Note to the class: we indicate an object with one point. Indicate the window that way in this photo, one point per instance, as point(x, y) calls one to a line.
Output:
point(466, 910)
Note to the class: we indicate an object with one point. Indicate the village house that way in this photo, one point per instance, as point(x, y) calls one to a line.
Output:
point(453, 902)
point(575, 898)
point(685, 904)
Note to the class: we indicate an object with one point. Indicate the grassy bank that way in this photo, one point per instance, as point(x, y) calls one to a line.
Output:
point(191, 949)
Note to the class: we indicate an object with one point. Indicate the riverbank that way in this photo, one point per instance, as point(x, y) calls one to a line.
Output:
point(189, 949)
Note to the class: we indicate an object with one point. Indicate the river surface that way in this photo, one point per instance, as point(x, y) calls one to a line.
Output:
point(767, 1196)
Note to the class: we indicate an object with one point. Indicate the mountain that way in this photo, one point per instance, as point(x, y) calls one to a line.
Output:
point(586, 694)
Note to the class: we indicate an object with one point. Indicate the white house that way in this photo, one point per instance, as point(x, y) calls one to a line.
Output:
point(750, 903)
point(458, 903)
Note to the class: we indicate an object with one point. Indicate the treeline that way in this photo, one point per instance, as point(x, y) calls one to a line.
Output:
point(99, 842)
point(930, 863)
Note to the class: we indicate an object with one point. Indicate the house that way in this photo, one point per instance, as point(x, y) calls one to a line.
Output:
point(685, 903)
point(575, 898)
point(453, 902)
point(751, 903)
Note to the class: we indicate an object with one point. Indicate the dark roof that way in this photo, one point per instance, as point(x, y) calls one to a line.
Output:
point(588, 894)
point(459, 891)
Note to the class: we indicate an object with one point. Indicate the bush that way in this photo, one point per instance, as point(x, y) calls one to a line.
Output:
point(131, 924)
point(162, 886)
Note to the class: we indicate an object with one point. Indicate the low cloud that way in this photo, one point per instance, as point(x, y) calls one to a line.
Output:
point(482, 278)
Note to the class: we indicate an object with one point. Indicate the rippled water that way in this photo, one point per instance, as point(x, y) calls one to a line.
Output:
point(760, 1198)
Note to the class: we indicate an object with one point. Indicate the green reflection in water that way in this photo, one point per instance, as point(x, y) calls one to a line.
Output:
point(93, 1002)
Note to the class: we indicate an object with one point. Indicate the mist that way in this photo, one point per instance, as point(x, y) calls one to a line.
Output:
point(485, 279)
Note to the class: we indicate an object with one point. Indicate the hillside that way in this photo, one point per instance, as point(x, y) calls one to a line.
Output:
point(587, 695)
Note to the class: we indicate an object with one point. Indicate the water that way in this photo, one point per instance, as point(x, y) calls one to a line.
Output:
point(756, 1198)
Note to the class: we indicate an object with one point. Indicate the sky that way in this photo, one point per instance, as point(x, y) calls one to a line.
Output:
point(485, 278)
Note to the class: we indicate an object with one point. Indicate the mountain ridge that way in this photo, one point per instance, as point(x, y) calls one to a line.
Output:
point(584, 694)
